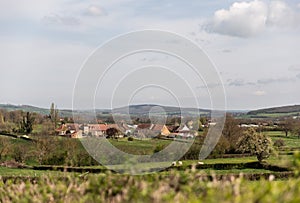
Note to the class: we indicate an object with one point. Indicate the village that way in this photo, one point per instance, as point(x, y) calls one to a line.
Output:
point(140, 131)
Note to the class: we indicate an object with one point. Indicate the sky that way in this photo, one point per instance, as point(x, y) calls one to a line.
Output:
point(254, 46)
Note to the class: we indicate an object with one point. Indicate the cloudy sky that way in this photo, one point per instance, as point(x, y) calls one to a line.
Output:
point(253, 44)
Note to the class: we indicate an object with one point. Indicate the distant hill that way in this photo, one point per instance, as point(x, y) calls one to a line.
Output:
point(11, 107)
point(283, 110)
point(144, 109)
point(28, 108)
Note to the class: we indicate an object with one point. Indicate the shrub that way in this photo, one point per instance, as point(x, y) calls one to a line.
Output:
point(296, 163)
point(279, 143)
point(130, 138)
point(158, 148)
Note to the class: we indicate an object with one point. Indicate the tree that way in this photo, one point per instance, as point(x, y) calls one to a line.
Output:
point(5, 146)
point(54, 115)
point(112, 132)
point(232, 132)
point(45, 147)
point(296, 128)
point(27, 123)
point(1, 117)
point(287, 126)
point(20, 152)
point(257, 144)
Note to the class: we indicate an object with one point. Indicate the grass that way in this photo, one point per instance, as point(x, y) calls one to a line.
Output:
point(290, 141)
point(139, 147)
point(148, 146)
point(11, 172)
point(28, 172)
point(269, 115)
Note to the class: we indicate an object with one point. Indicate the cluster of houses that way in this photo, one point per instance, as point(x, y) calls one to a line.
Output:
point(74, 130)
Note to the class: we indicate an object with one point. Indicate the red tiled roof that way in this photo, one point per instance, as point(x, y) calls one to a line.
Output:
point(157, 127)
point(98, 127)
point(144, 126)
point(120, 127)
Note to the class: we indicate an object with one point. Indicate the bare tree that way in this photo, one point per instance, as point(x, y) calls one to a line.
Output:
point(287, 125)
point(5, 146)
point(296, 128)
point(45, 147)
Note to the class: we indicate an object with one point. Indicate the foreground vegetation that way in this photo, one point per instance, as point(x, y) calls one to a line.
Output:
point(188, 186)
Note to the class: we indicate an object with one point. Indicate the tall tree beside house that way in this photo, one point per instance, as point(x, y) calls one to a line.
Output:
point(54, 115)
point(27, 123)
point(112, 132)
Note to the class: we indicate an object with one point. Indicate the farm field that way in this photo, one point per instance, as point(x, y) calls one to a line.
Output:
point(290, 141)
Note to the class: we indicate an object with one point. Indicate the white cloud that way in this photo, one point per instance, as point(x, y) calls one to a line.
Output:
point(280, 14)
point(259, 93)
point(94, 10)
point(246, 19)
point(242, 19)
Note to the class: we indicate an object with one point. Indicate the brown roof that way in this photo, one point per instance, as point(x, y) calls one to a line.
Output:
point(61, 128)
point(97, 127)
point(157, 127)
point(68, 126)
point(119, 127)
point(144, 126)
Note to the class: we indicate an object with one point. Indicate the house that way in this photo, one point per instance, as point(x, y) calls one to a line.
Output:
point(77, 134)
point(143, 131)
point(151, 130)
point(185, 132)
point(122, 129)
point(72, 130)
point(96, 130)
point(173, 128)
point(160, 129)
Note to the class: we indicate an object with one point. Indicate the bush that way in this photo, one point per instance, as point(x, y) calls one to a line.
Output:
point(279, 143)
point(130, 138)
point(194, 150)
point(158, 148)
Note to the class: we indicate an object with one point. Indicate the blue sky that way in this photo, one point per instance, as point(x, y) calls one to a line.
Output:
point(254, 45)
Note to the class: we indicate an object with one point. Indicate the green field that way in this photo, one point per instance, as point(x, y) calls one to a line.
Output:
point(15, 172)
point(290, 141)
point(140, 147)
